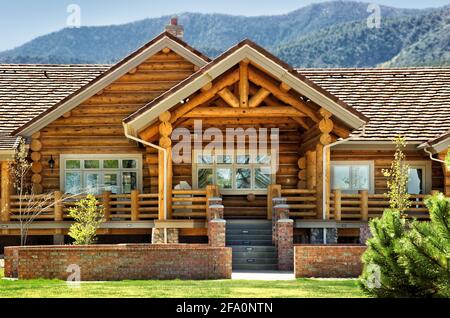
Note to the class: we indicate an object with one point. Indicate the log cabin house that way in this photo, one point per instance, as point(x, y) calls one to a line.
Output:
point(92, 125)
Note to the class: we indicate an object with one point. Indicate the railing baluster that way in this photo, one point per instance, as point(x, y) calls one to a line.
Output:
point(58, 207)
point(364, 204)
point(106, 202)
point(135, 205)
point(337, 204)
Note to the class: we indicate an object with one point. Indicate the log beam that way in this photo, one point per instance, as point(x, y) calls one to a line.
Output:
point(258, 98)
point(266, 111)
point(285, 97)
point(229, 97)
point(243, 84)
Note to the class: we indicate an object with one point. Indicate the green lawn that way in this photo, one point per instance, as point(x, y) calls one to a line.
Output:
point(182, 289)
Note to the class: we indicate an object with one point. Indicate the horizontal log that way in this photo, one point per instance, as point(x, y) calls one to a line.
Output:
point(267, 111)
point(146, 76)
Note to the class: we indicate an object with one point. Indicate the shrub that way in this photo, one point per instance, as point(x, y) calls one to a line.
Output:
point(425, 250)
point(88, 217)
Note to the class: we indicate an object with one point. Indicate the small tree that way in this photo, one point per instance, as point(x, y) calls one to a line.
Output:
point(447, 159)
point(398, 176)
point(382, 275)
point(425, 250)
point(88, 217)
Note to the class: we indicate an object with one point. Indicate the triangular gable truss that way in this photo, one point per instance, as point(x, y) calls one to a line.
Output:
point(246, 81)
point(128, 64)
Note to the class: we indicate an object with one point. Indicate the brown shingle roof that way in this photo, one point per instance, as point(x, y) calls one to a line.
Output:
point(26, 91)
point(413, 102)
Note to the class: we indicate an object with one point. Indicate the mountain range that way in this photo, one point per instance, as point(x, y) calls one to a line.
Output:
point(329, 34)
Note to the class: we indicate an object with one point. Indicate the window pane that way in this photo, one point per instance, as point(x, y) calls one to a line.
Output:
point(243, 178)
point(360, 177)
point(205, 177)
point(129, 164)
point(243, 159)
point(224, 159)
point(92, 183)
point(129, 181)
point(265, 159)
point(415, 182)
point(73, 164)
point(205, 159)
point(110, 182)
point(111, 164)
point(341, 177)
point(92, 164)
point(262, 178)
point(73, 182)
point(224, 178)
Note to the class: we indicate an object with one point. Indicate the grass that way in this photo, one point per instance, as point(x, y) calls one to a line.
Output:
point(301, 288)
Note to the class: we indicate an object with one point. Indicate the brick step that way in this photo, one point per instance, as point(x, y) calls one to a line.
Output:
point(256, 267)
point(250, 242)
point(256, 261)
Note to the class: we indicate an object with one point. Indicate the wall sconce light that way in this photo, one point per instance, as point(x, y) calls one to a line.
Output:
point(51, 163)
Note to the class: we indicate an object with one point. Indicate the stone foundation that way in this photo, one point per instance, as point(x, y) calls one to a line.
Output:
point(159, 233)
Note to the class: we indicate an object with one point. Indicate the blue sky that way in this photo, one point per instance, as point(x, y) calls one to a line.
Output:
point(23, 20)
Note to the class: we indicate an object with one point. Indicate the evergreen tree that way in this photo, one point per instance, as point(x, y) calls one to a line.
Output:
point(383, 276)
point(425, 250)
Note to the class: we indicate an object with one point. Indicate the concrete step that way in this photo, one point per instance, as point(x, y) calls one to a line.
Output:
point(253, 249)
point(248, 232)
point(248, 237)
point(256, 267)
point(249, 225)
point(238, 261)
point(269, 254)
point(249, 242)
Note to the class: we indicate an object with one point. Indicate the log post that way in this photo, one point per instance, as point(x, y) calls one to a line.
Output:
point(273, 191)
point(59, 214)
point(364, 204)
point(243, 84)
point(135, 205)
point(323, 184)
point(165, 130)
point(337, 204)
point(311, 170)
point(106, 205)
point(302, 173)
point(5, 192)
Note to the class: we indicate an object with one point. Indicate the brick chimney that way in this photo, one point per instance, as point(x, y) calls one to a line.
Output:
point(174, 28)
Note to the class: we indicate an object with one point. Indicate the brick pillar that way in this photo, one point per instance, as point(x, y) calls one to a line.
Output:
point(275, 216)
point(364, 233)
point(215, 211)
point(285, 239)
point(158, 235)
point(216, 232)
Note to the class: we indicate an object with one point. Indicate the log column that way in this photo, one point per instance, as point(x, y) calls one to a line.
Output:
point(165, 130)
point(5, 192)
point(36, 166)
point(301, 173)
point(325, 127)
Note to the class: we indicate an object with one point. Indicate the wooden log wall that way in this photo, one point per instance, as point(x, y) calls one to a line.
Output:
point(382, 160)
point(95, 126)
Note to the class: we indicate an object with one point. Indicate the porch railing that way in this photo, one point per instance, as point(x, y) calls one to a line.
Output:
point(363, 206)
point(136, 206)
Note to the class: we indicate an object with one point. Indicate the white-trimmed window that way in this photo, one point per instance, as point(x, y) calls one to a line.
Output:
point(99, 173)
point(352, 176)
point(237, 173)
point(420, 177)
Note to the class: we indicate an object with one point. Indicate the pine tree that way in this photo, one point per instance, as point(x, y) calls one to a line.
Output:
point(425, 250)
point(383, 276)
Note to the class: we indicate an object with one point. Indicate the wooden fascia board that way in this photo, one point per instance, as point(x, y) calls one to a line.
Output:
point(111, 78)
